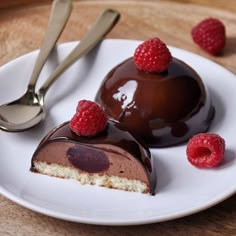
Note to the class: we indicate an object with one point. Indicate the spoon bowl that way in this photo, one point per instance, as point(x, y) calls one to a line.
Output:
point(29, 112)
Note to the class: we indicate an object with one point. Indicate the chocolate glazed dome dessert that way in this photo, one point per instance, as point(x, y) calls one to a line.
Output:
point(164, 108)
point(112, 158)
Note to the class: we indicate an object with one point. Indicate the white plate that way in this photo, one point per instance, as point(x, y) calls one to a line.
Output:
point(182, 188)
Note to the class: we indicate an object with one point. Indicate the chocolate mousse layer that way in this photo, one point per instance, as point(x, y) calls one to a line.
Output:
point(163, 108)
point(114, 153)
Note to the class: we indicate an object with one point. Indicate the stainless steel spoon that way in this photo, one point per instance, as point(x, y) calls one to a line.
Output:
point(28, 111)
point(14, 114)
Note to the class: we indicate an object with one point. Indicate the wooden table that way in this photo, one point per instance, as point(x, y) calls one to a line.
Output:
point(22, 25)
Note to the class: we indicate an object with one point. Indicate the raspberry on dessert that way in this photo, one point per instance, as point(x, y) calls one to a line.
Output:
point(209, 34)
point(152, 56)
point(89, 119)
point(205, 150)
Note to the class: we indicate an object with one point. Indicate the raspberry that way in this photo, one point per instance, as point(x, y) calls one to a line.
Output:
point(209, 34)
point(152, 55)
point(89, 119)
point(205, 150)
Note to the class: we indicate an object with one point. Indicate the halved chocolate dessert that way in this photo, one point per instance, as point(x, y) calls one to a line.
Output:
point(164, 108)
point(113, 158)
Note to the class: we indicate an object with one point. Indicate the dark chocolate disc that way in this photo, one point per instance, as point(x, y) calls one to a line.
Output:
point(88, 159)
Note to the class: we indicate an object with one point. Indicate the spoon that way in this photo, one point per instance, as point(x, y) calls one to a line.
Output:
point(15, 113)
point(28, 111)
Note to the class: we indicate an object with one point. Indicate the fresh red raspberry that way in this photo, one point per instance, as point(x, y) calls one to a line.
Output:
point(205, 150)
point(209, 34)
point(89, 119)
point(152, 55)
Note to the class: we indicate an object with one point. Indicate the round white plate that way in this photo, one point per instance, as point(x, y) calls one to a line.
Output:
point(182, 189)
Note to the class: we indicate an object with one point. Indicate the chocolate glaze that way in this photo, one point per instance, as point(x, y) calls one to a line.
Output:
point(163, 108)
point(115, 135)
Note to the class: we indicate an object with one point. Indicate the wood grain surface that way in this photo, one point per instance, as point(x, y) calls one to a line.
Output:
point(22, 26)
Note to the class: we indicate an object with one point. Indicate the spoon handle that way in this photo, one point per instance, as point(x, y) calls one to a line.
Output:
point(102, 26)
point(60, 13)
